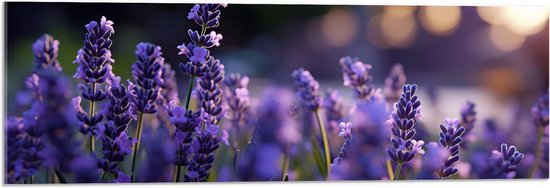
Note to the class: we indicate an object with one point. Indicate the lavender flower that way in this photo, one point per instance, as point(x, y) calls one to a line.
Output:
point(169, 91)
point(394, 82)
point(57, 117)
point(238, 101)
point(540, 119)
point(113, 134)
point(403, 118)
point(210, 92)
point(450, 138)
point(94, 67)
point(332, 103)
point(185, 121)
point(468, 118)
point(502, 164)
point(356, 76)
point(147, 75)
point(206, 142)
point(15, 135)
point(307, 89)
point(540, 111)
point(345, 132)
point(45, 53)
point(207, 16)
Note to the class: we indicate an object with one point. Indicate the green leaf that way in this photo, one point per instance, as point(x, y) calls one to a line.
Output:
point(319, 159)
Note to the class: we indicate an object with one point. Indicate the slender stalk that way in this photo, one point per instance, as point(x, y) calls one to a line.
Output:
point(325, 142)
point(540, 132)
point(60, 176)
point(102, 176)
point(90, 113)
point(177, 171)
point(285, 166)
point(390, 169)
point(397, 171)
point(189, 91)
point(136, 147)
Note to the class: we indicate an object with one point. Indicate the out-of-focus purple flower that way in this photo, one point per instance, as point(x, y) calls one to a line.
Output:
point(205, 143)
point(45, 53)
point(468, 118)
point(169, 91)
point(540, 111)
point(260, 160)
point(160, 156)
point(57, 117)
point(332, 103)
point(94, 67)
point(402, 121)
point(238, 102)
point(15, 138)
point(450, 137)
point(147, 75)
point(210, 91)
point(356, 76)
point(307, 89)
point(113, 133)
point(502, 164)
point(394, 82)
point(435, 157)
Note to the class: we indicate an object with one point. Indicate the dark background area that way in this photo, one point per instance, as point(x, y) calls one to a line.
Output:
point(269, 41)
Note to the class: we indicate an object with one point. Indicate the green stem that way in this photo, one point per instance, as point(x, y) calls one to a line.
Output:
point(540, 132)
point(90, 113)
point(389, 168)
point(136, 147)
point(189, 91)
point(102, 176)
point(177, 171)
point(60, 176)
point(325, 143)
point(285, 166)
point(397, 171)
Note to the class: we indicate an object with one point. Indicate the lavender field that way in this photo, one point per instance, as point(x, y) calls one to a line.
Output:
point(296, 93)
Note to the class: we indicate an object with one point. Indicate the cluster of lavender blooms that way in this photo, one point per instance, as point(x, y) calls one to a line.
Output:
point(263, 142)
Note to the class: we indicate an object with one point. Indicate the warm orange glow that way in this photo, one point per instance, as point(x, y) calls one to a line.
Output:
point(439, 20)
point(505, 40)
point(491, 15)
point(374, 33)
point(339, 27)
point(399, 11)
point(525, 20)
point(398, 32)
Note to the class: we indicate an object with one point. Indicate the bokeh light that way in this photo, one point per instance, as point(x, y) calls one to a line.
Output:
point(398, 32)
point(440, 20)
point(505, 40)
point(339, 27)
point(525, 20)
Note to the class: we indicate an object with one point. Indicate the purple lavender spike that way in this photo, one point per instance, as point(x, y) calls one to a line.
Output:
point(450, 137)
point(94, 61)
point(403, 118)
